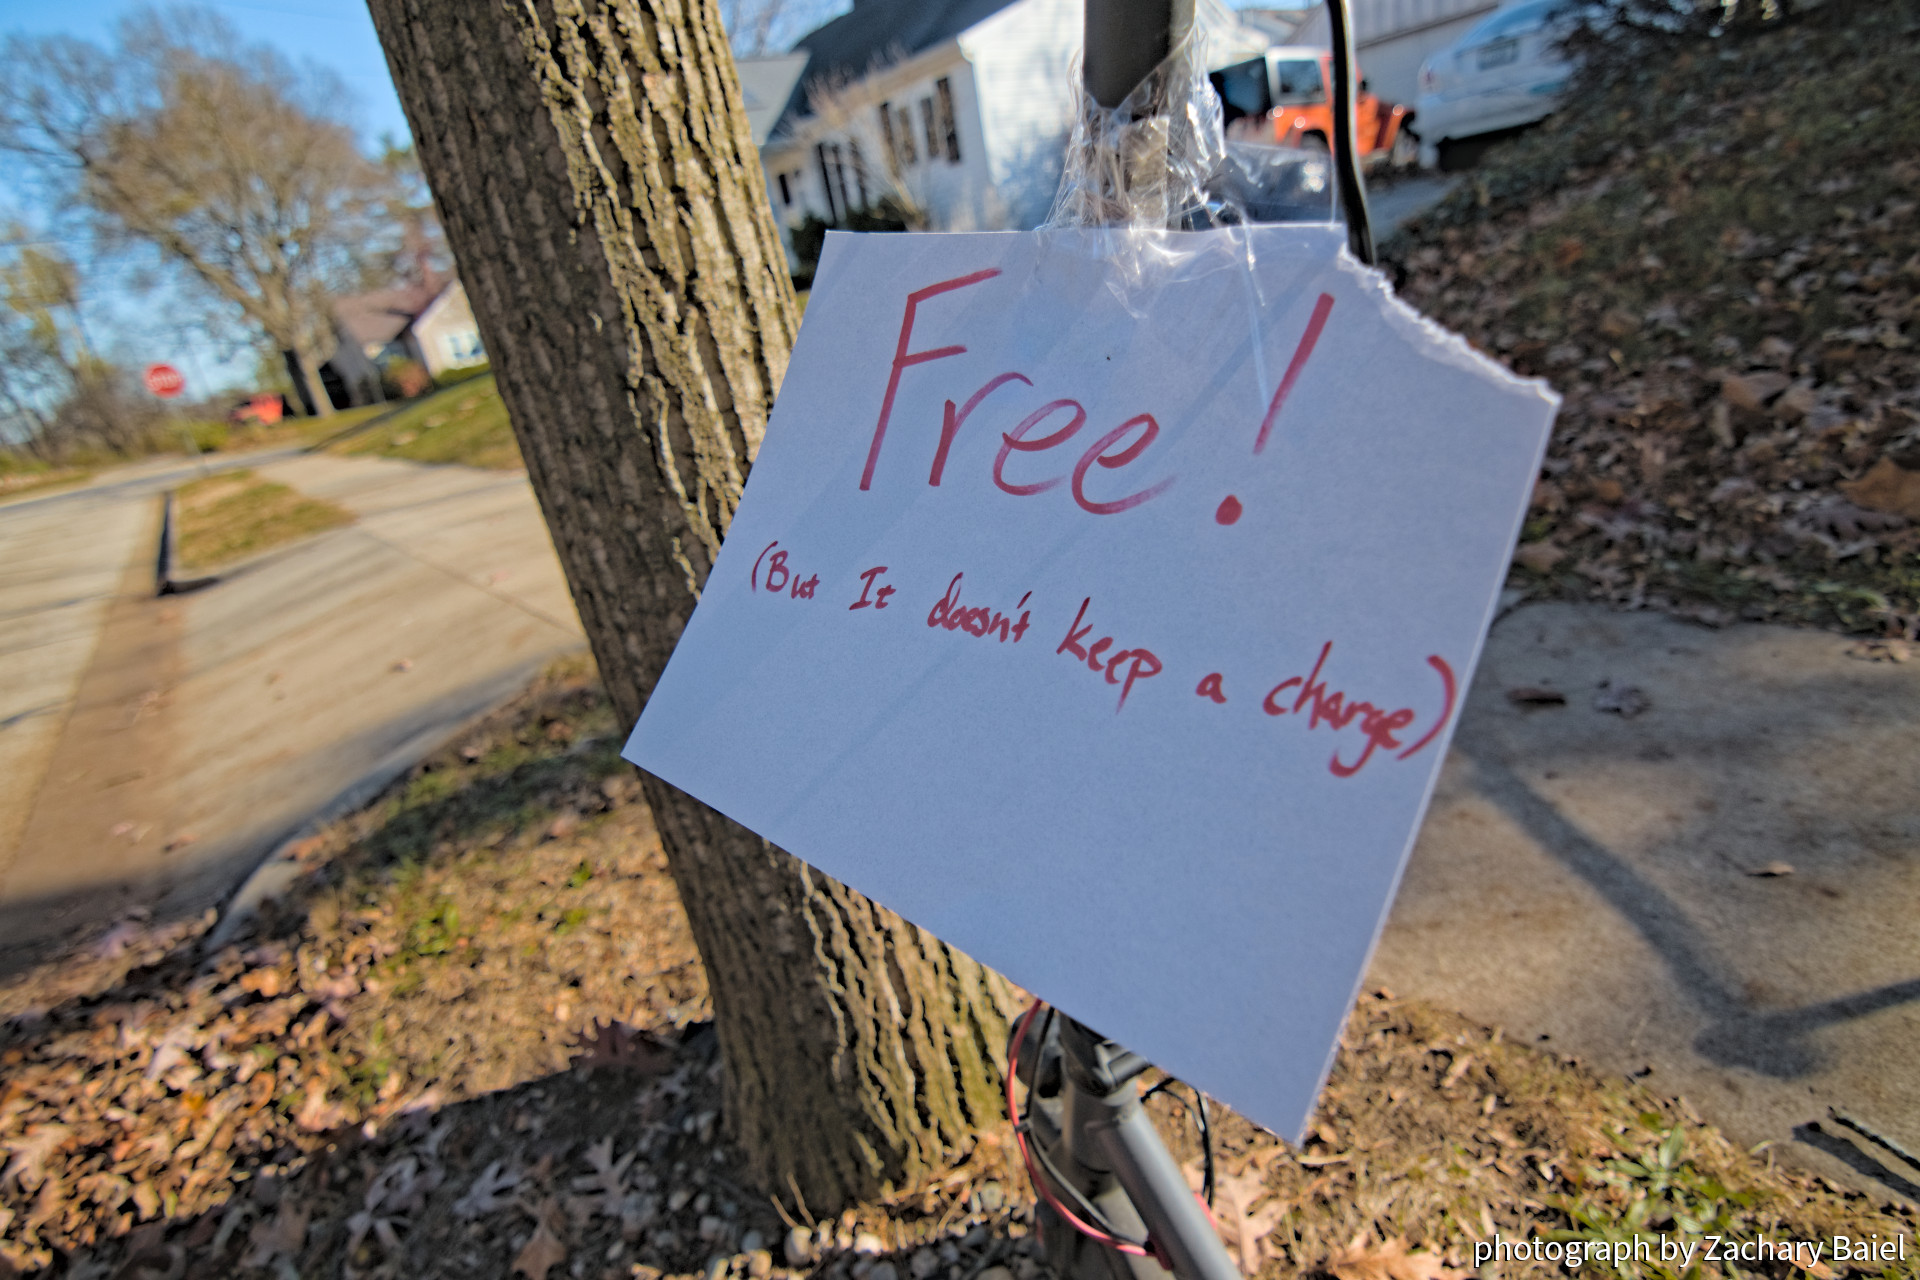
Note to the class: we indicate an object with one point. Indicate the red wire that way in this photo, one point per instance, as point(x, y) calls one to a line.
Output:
point(1026, 1157)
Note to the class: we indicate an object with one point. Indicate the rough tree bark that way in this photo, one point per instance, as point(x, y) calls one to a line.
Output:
point(601, 193)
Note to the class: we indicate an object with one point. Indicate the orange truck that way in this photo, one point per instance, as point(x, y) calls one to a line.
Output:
point(1282, 99)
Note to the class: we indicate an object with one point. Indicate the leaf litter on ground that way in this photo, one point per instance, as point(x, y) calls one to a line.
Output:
point(1715, 259)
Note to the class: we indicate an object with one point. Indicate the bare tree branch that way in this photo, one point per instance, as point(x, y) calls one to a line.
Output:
point(222, 156)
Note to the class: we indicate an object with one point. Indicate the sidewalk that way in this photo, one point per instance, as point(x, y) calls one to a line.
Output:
point(299, 684)
point(1717, 894)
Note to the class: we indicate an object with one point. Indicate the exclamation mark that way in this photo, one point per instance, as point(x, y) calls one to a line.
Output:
point(1230, 508)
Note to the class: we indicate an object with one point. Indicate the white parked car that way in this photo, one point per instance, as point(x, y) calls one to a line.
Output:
point(1506, 71)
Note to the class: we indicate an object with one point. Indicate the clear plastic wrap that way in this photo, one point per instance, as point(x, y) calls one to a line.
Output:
point(1146, 163)
point(1160, 164)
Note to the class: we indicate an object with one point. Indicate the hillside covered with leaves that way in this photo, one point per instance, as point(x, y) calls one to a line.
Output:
point(1714, 255)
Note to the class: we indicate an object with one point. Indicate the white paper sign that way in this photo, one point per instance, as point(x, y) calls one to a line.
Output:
point(1113, 634)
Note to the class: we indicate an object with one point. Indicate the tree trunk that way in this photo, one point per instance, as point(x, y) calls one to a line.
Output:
point(315, 385)
point(601, 193)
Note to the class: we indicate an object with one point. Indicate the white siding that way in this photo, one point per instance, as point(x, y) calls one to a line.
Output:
point(956, 196)
point(1022, 58)
point(1392, 38)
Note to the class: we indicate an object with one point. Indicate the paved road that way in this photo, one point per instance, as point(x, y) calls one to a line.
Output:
point(205, 729)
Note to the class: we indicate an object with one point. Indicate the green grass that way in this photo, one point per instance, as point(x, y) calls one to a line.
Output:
point(235, 514)
point(465, 423)
point(34, 477)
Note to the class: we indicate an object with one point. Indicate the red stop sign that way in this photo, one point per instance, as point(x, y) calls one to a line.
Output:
point(165, 381)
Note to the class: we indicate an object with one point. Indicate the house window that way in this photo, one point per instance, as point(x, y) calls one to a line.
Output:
point(833, 173)
point(886, 135)
point(786, 192)
point(859, 170)
point(464, 348)
point(949, 127)
point(932, 131)
point(908, 153)
point(826, 179)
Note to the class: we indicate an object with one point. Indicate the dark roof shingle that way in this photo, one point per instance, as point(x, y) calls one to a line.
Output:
point(876, 32)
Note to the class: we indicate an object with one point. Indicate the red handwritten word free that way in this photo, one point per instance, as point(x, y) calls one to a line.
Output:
point(1114, 449)
point(1119, 447)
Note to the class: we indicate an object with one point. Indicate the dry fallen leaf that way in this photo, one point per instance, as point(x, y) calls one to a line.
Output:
point(1881, 650)
point(615, 1044)
point(540, 1254)
point(30, 1154)
point(1390, 1261)
point(1243, 1228)
point(317, 1115)
point(1840, 519)
point(491, 1192)
point(282, 1237)
point(1887, 487)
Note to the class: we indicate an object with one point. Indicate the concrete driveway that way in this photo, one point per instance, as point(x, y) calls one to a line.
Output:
point(203, 730)
point(1716, 895)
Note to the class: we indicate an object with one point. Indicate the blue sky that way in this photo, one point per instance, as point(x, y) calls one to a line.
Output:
point(336, 34)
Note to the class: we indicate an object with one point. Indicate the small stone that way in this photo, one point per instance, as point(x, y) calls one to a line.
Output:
point(997, 1273)
point(923, 1264)
point(1625, 701)
point(799, 1247)
point(752, 1240)
point(883, 1271)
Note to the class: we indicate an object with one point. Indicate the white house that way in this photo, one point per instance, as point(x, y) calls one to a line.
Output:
point(959, 107)
point(1391, 38)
